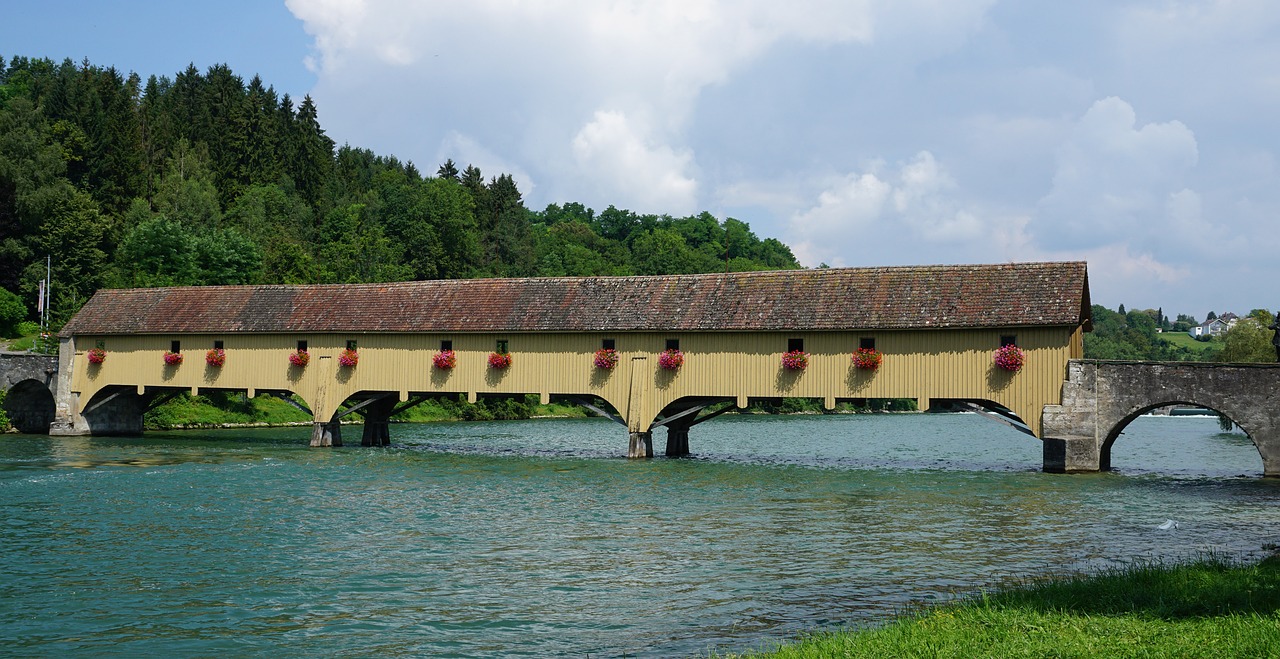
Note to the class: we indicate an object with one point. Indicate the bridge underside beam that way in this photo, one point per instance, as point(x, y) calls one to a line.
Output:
point(685, 416)
point(998, 415)
point(578, 400)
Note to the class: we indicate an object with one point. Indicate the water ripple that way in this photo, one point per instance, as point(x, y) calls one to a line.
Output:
point(537, 539)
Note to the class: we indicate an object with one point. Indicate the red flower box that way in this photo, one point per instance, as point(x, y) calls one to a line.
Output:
point(867, 359)
point(173, 358)
point(300, 358)
point(445, 360)
point(606, 358)
point(216, 357)
point(349, 358)
point(97, 355)
point(671, 359)
point(1010, 358)
point(499, 360)
point(796, 360)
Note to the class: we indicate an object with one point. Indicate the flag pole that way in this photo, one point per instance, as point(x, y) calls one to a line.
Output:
point(48, 283)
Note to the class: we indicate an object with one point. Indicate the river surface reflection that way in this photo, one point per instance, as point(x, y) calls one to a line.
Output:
point(533, 538)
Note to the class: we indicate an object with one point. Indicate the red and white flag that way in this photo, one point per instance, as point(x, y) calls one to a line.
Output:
point(40, 302)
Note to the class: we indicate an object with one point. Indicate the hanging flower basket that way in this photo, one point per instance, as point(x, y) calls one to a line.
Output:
point(445, 360)
point(867, 358)
point(499, 360)
point(300, 358)
point(349, 358)
point(173, 358)
point(216, 357)
point(796, 360)
point(97, 355)
point(1010, 358)
point(671, 359)
point(606, 358)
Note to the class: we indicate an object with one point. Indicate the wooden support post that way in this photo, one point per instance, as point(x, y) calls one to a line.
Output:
point(641, 445)
point(326, 434)
point(377, 419)
point(677, 441)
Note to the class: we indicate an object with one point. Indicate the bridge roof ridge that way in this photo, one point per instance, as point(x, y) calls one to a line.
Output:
point(870, 298)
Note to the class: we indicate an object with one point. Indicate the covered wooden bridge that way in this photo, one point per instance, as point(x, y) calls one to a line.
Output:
point(610, 342)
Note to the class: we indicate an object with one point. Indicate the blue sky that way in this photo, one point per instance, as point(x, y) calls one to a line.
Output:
point(1138, 135)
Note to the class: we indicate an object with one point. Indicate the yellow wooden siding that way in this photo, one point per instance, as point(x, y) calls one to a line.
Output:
point(922, 364)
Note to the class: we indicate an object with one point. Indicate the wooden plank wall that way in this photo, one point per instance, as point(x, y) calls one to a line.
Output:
point(922, 364)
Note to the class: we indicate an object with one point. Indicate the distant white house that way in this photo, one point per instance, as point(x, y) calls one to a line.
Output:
point(1214, 327)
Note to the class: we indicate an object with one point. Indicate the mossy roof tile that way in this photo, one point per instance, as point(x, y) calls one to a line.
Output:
point(902, 297)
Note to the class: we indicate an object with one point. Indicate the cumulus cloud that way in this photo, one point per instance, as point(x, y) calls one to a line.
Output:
point(554, 86)
point(1138, 136)
point(1114, 178)
point(915, 209)
point(621, 164)
point(466, 150)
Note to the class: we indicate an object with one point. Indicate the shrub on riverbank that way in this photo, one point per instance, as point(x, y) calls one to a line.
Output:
point(217, 408)
point(510, 408)
point(1211, 607)
point(814, 406)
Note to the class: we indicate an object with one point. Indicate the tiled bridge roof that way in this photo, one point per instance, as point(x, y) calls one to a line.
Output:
point(913, 297)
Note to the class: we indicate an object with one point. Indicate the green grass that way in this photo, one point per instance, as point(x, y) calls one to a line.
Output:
point(487, 410)
point(1184, 340)
point(4, 417)
point(1211, 607)
point(22, 344)
point(217, 409)
point(28, 339)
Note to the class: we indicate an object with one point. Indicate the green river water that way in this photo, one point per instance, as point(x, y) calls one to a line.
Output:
point(535, 538)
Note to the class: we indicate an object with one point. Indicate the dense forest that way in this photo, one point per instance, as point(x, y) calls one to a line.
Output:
point(202, 179)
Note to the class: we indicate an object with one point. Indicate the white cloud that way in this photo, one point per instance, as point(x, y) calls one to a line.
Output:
point(616, 159)
point(466, 150)
point(1113, 178)
point(916, 210)
point(925, 199)
point(1138, 135)
point(548, 84)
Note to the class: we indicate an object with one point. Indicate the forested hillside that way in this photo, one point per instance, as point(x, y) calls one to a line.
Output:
point(205, 179)
point(1148, 335)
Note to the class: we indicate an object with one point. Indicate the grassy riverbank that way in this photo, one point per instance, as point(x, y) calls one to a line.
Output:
point(221, 409)
point(216, 409)
point(1211, 607)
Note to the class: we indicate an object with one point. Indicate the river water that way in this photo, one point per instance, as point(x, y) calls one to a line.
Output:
point(534, 538)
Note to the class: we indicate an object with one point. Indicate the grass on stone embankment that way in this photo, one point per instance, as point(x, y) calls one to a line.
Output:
point(1211, 607)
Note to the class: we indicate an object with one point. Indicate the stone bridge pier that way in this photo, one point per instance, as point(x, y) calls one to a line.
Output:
point(1100, 398)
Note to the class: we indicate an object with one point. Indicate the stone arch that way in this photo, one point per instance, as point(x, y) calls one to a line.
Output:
point(1099, 398)
point(30, 407)
point(1111, 428)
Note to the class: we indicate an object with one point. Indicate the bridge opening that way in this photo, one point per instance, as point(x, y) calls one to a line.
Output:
point(30, 407)
point(1202, 435)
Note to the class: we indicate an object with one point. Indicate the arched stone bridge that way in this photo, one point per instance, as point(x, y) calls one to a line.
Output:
point(1099, 398)
point(29, 381)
